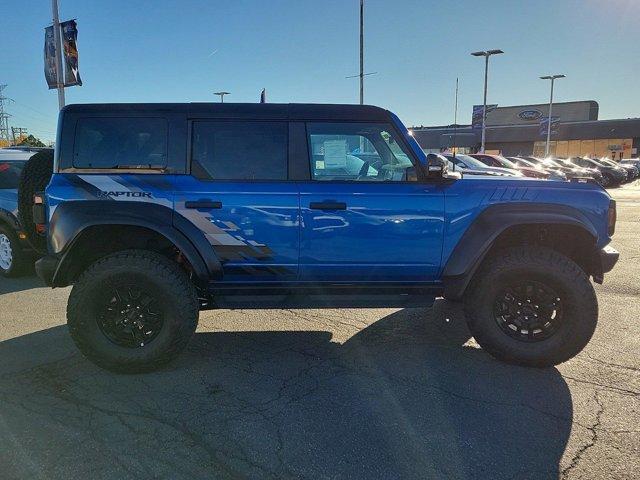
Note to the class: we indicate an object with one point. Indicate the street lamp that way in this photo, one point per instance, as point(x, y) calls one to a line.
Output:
point(486, 56)
point(222, 94)
point(553, 79)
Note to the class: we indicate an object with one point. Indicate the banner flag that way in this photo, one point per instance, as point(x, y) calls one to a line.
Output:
point(544, 125)
point(263, 96)
point(50, 68)
point(70, 49)
point(476, 119)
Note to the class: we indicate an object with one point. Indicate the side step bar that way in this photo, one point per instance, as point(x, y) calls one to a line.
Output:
point(297, 301)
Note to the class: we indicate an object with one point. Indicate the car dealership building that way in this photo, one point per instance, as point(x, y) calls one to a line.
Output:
point(517, 130)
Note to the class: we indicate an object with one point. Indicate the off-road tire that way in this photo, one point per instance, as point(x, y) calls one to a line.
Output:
point(19, 262)
point(548, 267)
point(34, 178)
point(175, 297)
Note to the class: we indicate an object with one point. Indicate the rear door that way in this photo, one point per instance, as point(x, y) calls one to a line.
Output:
point(238, 194)
point(365, 217)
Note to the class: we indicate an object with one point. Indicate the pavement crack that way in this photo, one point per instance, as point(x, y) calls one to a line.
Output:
point(594, 438)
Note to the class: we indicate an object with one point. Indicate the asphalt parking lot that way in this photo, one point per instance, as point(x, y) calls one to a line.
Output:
point(325, 394)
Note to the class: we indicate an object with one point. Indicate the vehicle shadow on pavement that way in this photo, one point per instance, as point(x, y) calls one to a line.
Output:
point(403, 398)
point(10, 285)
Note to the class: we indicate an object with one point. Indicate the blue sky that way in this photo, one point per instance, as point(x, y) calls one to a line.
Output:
point(302, 50)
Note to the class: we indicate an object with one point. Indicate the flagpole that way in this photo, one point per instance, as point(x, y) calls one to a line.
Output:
point(58, 42)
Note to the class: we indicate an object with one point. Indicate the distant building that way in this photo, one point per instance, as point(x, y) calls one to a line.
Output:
point(517, 130)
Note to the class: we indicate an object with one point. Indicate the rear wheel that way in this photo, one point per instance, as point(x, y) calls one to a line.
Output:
point(132, 311)
point(531, 306)
point(13, 261)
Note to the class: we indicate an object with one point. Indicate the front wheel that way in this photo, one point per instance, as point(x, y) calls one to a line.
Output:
point(13, 261)
point(531, 306)
point(132, 311)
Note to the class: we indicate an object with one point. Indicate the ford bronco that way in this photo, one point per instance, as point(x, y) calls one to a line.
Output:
point(157, 211)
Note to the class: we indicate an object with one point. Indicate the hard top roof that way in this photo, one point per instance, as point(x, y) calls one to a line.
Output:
point(284, 111)
point(13, 155)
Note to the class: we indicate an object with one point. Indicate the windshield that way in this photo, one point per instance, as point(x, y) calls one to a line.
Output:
point(467, 162)
point(525, 163)
point(10, 174)
point(606, 161)
point(506, 163)
point(550, 163)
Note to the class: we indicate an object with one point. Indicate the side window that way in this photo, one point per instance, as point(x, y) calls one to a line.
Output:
point(10, 174)
point(238, 150)
point(120, 143)
point(356, 152)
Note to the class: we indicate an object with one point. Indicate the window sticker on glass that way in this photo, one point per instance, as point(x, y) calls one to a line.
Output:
point(319, 164)
point(335, 154)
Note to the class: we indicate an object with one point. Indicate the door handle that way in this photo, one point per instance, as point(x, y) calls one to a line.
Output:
point(328, 205)
point(210, 204)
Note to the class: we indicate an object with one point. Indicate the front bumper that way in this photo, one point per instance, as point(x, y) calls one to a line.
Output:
point(605, 261)
point(46, 269)
point(608, 258)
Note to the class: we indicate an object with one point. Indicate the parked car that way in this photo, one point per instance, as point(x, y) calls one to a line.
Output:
point(632, 171)
point(502, 162)
point(574, 171)
point(631, 161)
point(611, 175)
point(156, 211)
point(554, 172)
point(17, 248)
point(571, 171)
point(471, 165)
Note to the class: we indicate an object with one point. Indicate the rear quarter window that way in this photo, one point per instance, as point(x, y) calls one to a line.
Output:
point(10, 174)
point(105, 143)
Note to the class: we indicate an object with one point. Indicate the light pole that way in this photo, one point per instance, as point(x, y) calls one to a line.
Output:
point(553, 79)
point(361, 75)
point(486, 56)
point(58, 42)
point(221, 94)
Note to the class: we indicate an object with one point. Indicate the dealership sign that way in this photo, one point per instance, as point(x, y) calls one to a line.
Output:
point(530, 115)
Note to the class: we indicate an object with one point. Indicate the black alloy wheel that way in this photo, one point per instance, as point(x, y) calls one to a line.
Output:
point(127, 317)
point(528, 311)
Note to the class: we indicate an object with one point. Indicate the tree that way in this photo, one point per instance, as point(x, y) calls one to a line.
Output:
point(31, 141)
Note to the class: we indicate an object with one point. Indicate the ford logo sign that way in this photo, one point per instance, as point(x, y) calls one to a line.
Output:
point(530, 114)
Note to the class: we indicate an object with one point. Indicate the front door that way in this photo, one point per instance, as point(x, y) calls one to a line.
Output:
point(239, 195)
point(365, 218)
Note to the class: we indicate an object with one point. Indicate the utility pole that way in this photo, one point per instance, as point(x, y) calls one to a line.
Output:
point(455, 126)
point(486, 56)
point(4, 118)
point(553, 79)
point(21, 132)
point(361, 75)
point(58, 42)
point(221, 94)
point(361, 52)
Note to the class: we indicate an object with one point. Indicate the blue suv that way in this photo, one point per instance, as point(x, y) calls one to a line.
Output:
point(157, 211)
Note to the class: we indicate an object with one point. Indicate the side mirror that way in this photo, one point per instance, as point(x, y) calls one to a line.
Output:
point(437, 165)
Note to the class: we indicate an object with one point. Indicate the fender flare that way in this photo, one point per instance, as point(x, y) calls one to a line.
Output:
point(9, 219)
point(479, 237)
point(71, 219)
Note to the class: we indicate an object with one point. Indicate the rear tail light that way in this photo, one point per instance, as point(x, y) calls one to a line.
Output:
point(38, 213)
point(611, 218)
